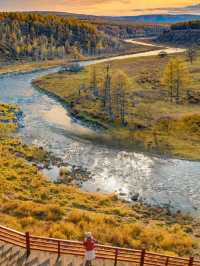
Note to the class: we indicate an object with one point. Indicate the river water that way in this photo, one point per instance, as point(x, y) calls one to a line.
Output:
point(163, 182)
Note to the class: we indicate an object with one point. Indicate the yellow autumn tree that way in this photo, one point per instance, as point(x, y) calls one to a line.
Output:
point(176, 79)
point(120, 85)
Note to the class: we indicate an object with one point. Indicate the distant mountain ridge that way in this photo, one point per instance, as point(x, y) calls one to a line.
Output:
point(148, 19)
point(161, 18)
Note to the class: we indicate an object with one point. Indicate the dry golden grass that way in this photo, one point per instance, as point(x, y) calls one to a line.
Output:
point(25, 66)
point(29, 202)
point(146, 105)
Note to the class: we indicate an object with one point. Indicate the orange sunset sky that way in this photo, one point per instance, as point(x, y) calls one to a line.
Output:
point(97, 7)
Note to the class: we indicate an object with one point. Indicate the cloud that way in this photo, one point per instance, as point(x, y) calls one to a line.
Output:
point(152, 9)
point(194, 9)
point(97, 7)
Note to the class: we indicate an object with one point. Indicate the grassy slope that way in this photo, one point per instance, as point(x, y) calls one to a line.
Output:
point(29, 202)
point(146, 105)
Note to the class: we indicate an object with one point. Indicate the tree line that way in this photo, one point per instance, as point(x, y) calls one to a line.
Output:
point(176, 79)
point(189, 25)
point(46, 37)
point(110, 91)
point(113, 90)
point(125, 30)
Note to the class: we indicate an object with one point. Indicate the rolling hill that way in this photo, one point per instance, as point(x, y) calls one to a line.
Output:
point(185, 34)
point(141, 19)
point(162, 18)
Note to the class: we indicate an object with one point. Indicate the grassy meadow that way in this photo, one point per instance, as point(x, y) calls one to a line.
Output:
point(154, 124)
point(29, 202)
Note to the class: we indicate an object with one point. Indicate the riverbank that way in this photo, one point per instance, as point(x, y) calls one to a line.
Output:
point(11, 119)
point(24, 66)
point(146, 127)
point(29, 202)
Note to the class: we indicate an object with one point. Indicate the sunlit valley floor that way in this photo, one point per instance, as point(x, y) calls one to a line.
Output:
point(57, 179)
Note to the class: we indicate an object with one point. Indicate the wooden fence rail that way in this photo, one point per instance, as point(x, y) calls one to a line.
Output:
point(115, 254)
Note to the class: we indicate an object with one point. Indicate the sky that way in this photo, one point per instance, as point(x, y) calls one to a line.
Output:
point(96, 7)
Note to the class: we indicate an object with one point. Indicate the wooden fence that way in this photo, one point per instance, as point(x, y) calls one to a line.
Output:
point(115, 254)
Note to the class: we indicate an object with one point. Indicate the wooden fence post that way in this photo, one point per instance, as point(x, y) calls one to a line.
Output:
point(58, 248)
point(28, 248)
point(142, 257)
point(167, 261)
point(116, 256)
point(191, 260)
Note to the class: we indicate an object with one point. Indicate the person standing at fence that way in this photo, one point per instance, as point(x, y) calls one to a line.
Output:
point(89, 244)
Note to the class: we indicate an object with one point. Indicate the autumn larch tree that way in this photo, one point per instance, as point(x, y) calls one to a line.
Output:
point(191, 53)
point(40, 37)
point(176, 78)
point(107, 93)
point(94, 87)
point(120, 86)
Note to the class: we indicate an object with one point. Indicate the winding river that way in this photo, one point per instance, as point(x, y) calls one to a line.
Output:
point(165, 182)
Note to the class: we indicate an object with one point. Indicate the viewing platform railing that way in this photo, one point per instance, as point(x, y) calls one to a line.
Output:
point(115, 254)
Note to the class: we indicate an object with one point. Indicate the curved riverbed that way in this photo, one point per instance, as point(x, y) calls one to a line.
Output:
point(47, 123)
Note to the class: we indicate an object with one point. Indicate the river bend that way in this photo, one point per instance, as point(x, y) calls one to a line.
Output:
point(165, 182)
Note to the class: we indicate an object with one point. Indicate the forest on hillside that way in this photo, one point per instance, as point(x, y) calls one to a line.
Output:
point(120, 27)
point(29, 35)
point(184, 34)
point(189, 25)
point(128, 29)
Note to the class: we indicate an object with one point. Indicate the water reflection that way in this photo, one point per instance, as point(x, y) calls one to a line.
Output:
point(47, 123)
